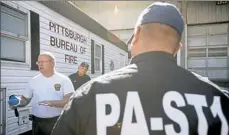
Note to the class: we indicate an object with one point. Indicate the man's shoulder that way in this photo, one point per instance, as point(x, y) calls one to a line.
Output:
point(108, 79)
point(206, 80)
point(61, 76)
point(36, 77)
point(72, 75)
point(210, 85)
point(36, 80)
point(87, 76)
point(118, 75)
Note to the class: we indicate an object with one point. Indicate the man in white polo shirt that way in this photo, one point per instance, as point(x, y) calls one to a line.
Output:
point(49, 91)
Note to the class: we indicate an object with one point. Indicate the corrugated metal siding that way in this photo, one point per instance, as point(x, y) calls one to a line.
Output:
point(206, 12)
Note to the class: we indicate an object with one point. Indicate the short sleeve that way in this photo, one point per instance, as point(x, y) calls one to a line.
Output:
point(28, 91)
point(68, 86)
point(74, 117)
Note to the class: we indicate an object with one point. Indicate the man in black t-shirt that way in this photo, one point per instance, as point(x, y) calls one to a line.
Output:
point(80, 77)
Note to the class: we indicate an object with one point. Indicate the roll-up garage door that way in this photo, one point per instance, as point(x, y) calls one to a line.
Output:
point(208, 50)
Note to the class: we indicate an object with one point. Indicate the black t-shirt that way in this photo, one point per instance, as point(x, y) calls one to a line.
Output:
point(151, 96)
point(77, 80)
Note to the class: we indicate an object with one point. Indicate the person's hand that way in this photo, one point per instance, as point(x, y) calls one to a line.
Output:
point(46, 103)
point(13, 100)
point(13, 107)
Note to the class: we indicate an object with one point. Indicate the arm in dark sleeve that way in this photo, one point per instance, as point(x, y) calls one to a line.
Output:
point(89, 78)
point(68, 122)
point(70, 77)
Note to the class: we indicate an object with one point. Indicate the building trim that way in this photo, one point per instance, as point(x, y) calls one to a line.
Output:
point(122, 29)
point(208, 23)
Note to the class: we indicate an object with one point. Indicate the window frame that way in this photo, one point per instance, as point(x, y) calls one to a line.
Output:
point(208, 47)
point(11, 62)
point(95, 57)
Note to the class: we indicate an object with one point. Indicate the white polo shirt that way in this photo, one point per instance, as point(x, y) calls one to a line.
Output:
point(42, 88)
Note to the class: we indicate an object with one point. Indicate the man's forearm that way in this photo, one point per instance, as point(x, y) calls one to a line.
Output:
point(56, 103)
point(24, 101)
point(59, 103)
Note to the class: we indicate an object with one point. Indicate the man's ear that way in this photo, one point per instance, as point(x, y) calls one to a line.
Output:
point(53, 63)
point(136, 35)
point(177, 49)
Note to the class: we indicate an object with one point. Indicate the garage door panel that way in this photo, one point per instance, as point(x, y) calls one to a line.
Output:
point(218, 74)
point(211, 62)
point(197, 53)
point(208, 50)
point(218, 29)
point(197, 63)
point(197, 30)
point(212, 74)
point(218, 40)
point(197, 41)
point(218, 52)
point(221, 62)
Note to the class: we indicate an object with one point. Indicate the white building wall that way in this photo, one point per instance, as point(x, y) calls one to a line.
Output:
point(15, 75)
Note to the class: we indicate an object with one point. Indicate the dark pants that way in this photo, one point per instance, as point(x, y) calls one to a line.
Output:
point(43, 126)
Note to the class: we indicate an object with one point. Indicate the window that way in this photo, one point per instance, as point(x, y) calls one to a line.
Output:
point(14, 34)
point(209, 40)
point(197, 52)
point(98, 58)
point(217, 52)
point(212, 52)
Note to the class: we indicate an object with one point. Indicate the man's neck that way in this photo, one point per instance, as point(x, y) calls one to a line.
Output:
point(155, 49)
point(80, 74)
point(48, 74)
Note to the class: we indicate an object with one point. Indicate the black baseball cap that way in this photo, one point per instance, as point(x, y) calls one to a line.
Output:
point(161, 12)
point(84, 64)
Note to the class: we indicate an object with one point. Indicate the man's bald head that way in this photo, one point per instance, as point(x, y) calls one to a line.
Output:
point(160, 34)
point(158, 28)
point(155, 37)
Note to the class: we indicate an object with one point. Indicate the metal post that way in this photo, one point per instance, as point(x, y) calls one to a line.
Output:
point(184, 51)
point(228, 51)
point(186, 46)
point(3, 111)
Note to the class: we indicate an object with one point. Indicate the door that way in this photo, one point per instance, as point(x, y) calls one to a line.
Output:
point(208, 50)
